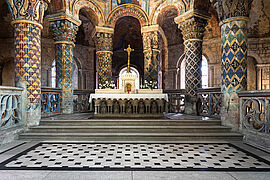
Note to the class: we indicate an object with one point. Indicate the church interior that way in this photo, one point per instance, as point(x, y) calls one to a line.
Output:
point(142, 86)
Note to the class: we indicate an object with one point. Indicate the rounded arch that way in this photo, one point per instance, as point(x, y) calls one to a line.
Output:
point(180, 5)
point(92, 8)
point(127, 10)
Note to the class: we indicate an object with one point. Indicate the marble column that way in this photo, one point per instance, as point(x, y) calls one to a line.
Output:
point(233, 17)
point(64, 34)
point(192, 27)
point(151, 53)
point(104, 51)
point(27, 42)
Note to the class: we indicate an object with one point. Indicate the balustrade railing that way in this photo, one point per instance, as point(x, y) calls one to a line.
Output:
point(255, 117)
point(11, 106)
point(176, 102)
point(209, 102)
point(81, 100)
point(50, 101)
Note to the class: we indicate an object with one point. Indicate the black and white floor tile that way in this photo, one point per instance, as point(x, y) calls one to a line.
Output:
point(79, 156)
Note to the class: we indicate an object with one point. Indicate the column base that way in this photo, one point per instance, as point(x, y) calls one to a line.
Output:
point(230, 116)
point(67, 105)
point(190, 105)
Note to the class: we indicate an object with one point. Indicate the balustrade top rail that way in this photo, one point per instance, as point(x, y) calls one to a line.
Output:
point(10, 88)
point(83, 91)
point(257, 93)
point(210, 90)
point(174, 91)
point(50, 89)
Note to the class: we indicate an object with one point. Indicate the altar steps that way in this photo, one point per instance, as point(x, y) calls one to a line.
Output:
point(106, 130)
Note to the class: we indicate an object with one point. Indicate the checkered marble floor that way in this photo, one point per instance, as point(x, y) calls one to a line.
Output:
point(79, 156)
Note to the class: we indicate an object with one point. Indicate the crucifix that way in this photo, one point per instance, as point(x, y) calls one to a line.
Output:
point(128, 50)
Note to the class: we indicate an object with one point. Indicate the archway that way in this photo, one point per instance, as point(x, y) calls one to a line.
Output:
point(174, 48)
point(127, 32)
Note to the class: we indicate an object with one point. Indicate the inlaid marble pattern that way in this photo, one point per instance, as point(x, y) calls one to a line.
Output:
point(80, 156)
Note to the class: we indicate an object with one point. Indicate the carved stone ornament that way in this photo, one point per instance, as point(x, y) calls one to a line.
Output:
point(28, 10)
point(64, 30)
point(193, 28)
point(233, 8)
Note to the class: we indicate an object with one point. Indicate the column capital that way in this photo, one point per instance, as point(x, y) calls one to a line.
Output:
point(192, 27)
point(64, 31)
point(103, 39)
point(233, 10)
point(26, 11)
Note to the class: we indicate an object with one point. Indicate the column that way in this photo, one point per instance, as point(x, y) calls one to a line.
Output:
point(151, 52)
point(233, 17)
point(27, 35)
point(192, 26)
point(64, 34)
point(104, 51)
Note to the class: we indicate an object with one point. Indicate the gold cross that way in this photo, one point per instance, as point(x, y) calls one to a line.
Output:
point(128, 50)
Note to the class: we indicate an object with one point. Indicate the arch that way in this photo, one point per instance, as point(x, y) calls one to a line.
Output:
point(91, 7)
point(127, 10)
point(134, 71)
point(180, 5)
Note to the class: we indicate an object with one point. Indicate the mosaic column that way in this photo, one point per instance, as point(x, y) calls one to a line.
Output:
point(64, 33)
point(192, 27)
point(104, 52)
point(27, 21)
point(233, 22)
point(151, 52)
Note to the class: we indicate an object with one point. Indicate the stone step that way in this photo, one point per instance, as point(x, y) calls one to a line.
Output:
point(129, 129)
point(94, 137)
point(130, 122)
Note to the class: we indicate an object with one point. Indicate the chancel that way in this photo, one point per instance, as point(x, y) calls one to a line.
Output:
point(134, 85)
point(128, 100)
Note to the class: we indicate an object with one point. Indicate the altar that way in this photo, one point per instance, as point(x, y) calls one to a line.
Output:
point(129, 101)
point(144, 103)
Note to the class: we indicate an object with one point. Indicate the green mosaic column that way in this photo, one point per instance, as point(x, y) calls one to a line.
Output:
point(151, 52)
point(233, 17)
point(64, 33)
point(27, 19)
point(103, 42)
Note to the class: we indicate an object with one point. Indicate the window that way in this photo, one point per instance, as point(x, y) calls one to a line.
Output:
point(53, 73)
point(204, 71)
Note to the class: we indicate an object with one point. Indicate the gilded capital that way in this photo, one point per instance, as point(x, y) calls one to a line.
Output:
point(28, 10)
point(103, 41)
point(64, 31)
point(232, 8)
point(193, 28)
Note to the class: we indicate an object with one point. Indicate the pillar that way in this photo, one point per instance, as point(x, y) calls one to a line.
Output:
point(27, 42)
point(233, 17)
point(151, 53)
point(192, 26)
point(104, 51)
point(64, 34)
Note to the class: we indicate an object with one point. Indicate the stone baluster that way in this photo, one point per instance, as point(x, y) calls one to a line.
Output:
point(27, 42)
point(64, 34)
point(192, 26)
point(233, 15)
point(104, 50)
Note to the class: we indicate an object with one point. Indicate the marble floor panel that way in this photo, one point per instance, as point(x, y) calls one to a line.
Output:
point(135, 157)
